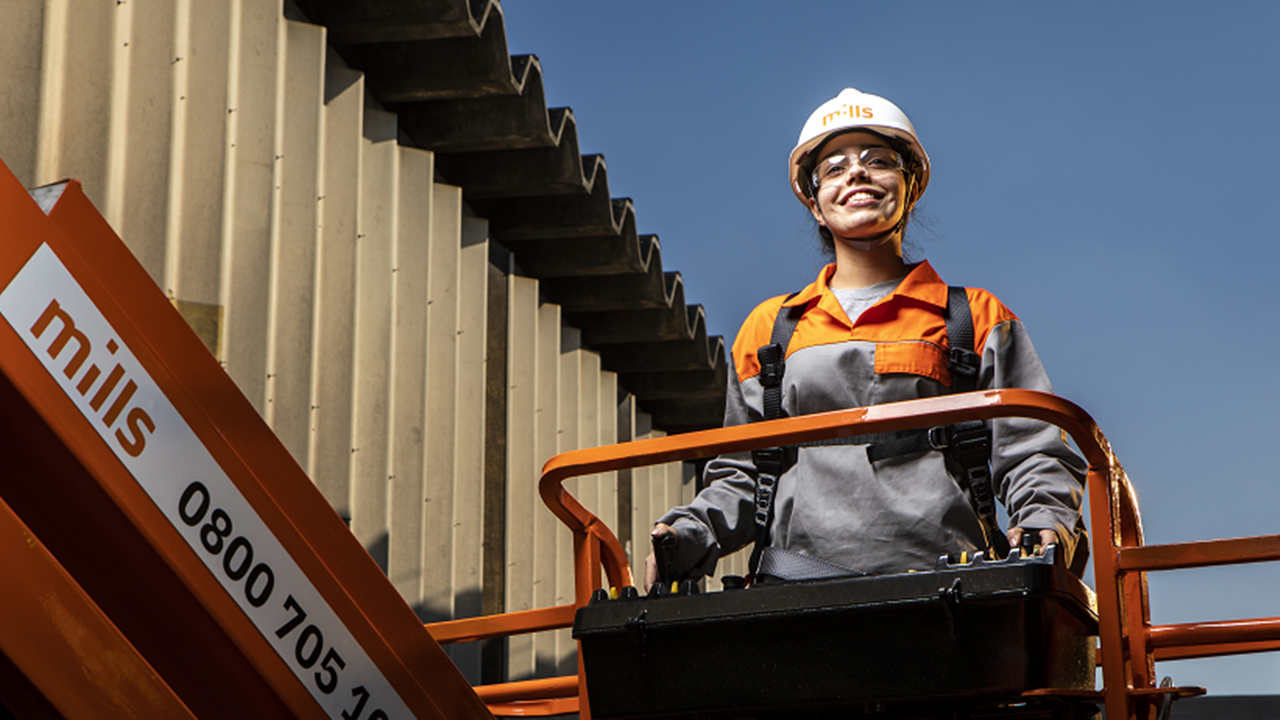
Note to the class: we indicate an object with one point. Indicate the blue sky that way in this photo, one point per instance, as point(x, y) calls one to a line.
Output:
point(1105, 168)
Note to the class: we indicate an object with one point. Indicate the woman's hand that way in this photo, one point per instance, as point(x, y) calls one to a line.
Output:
point(651, 562)
point(1047, 538)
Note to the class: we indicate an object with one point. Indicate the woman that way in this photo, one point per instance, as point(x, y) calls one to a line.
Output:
point(874, 329)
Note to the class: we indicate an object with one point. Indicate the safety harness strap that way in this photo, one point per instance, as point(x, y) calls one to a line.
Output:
point(773, 358)
point(772, 462)
point(787, 565)
point(967, 445)
point(881, 446)
point(962, 361)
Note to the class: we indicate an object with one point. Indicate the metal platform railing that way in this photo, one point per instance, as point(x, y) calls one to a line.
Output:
point(1129, 645)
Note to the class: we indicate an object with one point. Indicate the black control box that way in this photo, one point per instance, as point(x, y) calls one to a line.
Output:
point(975, 633)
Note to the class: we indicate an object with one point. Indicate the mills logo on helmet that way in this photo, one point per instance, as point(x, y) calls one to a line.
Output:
point(853, 110)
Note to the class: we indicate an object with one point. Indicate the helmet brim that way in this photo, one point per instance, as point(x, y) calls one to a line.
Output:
point(801, 162)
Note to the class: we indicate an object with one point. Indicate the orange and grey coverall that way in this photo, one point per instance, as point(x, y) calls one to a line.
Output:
point(900, 513)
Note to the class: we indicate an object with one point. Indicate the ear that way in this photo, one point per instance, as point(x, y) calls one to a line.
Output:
point(817, 212)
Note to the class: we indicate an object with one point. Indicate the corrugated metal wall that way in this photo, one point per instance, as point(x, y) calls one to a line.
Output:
point(346, 290)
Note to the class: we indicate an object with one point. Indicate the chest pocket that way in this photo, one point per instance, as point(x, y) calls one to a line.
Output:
point(916, 358)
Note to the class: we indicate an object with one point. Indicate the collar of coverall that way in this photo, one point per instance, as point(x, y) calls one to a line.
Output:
point(921, 283)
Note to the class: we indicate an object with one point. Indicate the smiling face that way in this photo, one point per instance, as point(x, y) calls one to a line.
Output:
point(860, 199)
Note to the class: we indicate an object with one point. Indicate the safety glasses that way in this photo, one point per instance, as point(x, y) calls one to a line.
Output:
point(873, 160)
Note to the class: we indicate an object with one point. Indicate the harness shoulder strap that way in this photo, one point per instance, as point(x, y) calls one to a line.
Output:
point(962, 361)
point(773, 461)
point(773, 358)
point(968, 444)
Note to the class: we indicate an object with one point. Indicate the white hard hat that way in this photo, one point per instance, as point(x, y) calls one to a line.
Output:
point(855, 110)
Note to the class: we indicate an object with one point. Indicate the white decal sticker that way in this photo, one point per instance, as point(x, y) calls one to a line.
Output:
point(60, 324)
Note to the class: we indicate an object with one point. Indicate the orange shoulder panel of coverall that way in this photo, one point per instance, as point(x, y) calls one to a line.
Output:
point(910, 315)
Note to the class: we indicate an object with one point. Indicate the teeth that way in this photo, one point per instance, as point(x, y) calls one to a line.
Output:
point(861, 196)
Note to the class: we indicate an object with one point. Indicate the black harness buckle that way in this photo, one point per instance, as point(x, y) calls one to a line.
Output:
point(971, 444)
point(772, 365)
point(771, 461)
point(968, 444)
point(940, 437)
point(964, 363)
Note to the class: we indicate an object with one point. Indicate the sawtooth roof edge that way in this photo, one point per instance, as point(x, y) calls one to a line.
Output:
point(443, 67)
point(377, 21)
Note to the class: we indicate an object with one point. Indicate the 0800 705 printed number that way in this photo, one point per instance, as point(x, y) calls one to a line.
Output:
point(259, 583)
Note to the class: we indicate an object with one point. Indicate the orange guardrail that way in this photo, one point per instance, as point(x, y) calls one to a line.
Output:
point(1129, 643)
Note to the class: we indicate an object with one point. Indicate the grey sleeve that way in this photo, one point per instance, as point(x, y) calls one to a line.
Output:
point(721, 519)
point(1038, 477)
